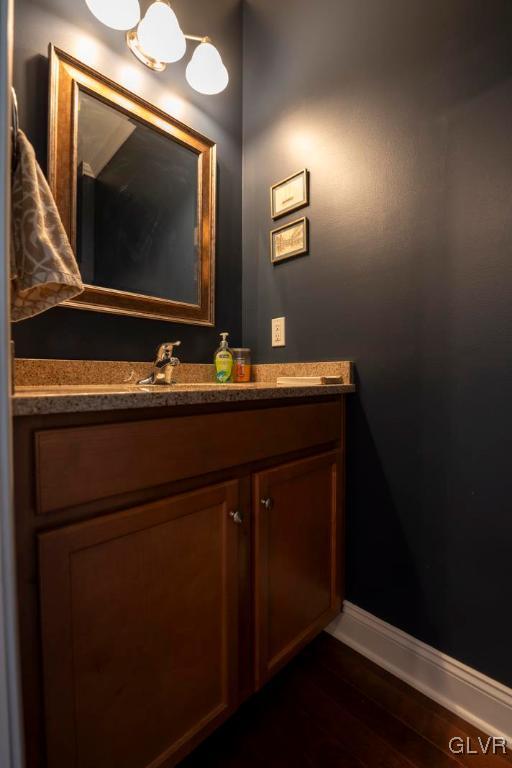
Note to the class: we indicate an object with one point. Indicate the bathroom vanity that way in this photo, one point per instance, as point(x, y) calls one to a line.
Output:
point(173, 555)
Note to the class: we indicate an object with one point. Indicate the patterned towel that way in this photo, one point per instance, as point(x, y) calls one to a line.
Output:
point(44, 271)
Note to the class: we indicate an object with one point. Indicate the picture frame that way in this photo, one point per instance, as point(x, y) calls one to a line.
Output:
point(289, 241)
point(290, 195)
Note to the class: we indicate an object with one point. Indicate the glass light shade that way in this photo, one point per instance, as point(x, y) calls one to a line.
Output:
point(159, 34)
point(205, 72)
point(117, 14)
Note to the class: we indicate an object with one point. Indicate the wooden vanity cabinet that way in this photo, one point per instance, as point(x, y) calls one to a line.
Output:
point(148, 615)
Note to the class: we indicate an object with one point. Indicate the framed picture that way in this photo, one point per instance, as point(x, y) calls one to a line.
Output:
point(290, 195)
point(290, 240)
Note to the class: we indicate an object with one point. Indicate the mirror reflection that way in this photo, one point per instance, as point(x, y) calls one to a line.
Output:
point(137, 206)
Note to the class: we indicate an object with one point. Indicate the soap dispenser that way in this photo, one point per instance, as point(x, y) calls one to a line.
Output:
point(223, 361)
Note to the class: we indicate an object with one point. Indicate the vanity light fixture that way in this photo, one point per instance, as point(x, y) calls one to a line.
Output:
point(159, 34)
point(157, 40)
point(206, 72)
point(117, 14)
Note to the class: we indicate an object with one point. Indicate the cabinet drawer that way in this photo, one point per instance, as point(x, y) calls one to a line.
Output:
point(79, 465)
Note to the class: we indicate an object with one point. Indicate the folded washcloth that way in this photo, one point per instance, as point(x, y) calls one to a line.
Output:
point(44, 271)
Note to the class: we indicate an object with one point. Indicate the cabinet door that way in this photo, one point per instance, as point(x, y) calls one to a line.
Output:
point(297, 517)
point(139, 625)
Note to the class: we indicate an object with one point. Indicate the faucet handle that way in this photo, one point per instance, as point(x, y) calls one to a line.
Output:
point(164, 365)
point(165, 350)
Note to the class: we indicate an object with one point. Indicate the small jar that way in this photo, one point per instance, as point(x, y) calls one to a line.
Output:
point(241, 365)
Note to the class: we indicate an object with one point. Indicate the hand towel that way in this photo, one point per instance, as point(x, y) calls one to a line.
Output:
point(44, 271)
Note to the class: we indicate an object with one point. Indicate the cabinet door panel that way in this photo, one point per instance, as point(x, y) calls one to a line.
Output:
point(297, 557)
point(139, 622)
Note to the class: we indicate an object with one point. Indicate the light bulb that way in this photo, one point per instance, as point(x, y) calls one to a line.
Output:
point(205, 72)
point(117, 14)
point(159, 34)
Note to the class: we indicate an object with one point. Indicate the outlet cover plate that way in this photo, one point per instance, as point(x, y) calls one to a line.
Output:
point(279, 332)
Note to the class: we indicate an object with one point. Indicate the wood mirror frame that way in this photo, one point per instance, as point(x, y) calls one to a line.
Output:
point(67, 77)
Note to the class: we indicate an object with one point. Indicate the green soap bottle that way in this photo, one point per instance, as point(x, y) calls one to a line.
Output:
point(223, 361)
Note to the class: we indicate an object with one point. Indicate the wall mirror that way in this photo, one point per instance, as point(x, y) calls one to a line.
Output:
point(136, 192)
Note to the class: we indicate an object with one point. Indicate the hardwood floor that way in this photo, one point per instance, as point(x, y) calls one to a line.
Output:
point(332, 708)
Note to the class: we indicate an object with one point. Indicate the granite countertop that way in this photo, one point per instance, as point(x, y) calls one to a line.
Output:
point(29, 401)
point(44, 387)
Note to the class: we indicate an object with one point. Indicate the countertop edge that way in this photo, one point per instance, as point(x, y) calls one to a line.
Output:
point(41, 404)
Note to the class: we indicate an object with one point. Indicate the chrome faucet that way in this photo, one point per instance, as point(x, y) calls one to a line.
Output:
point(164, 365)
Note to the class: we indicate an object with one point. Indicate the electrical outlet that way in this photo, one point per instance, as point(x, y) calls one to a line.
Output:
point(279, 332)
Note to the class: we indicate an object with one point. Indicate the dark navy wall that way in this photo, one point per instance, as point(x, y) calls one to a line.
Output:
point(402, 110)
point(65, 333)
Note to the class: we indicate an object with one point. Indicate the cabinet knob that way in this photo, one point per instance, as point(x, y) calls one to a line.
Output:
point(236, 517)
point(268, 503)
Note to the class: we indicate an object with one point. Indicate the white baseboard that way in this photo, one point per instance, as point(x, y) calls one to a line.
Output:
point(476, 698)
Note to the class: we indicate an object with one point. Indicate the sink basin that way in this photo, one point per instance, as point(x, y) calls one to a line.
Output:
point(203, 384)
point(77, 389)
point(98, 389)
